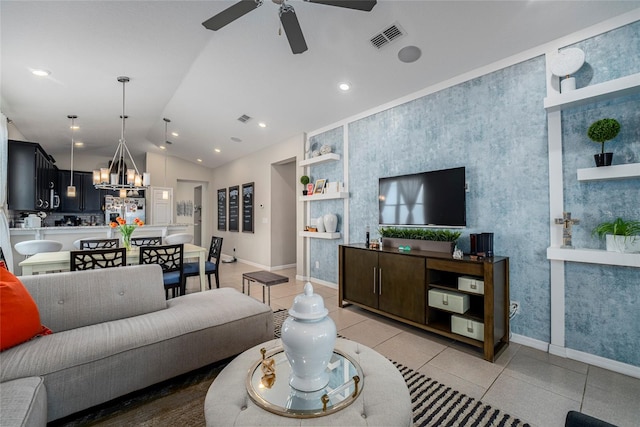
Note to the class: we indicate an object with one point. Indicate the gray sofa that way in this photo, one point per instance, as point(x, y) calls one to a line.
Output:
point(114, 333)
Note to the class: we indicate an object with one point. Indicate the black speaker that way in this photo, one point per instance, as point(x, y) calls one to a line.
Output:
point(473, 239)
point(484, 244)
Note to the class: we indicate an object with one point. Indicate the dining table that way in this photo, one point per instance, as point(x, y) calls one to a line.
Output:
point(46, 262)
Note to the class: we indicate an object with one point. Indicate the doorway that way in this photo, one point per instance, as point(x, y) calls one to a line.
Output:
point(197, 215)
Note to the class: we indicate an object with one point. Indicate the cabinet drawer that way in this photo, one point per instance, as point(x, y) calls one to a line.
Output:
point(467, 327)
point(448, 300)
point(470, 268)
point(471, 284)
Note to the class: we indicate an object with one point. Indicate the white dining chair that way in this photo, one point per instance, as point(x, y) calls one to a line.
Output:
point(175, 239)
point(32, 247)
point(77, 243)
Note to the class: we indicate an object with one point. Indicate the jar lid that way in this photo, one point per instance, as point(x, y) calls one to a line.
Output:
point(308, 306)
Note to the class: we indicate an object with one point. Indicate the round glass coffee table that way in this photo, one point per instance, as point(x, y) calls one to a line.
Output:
point(268, 386)
point(382, 399)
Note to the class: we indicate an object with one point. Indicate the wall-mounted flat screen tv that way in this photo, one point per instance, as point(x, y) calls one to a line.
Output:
point(433, 198)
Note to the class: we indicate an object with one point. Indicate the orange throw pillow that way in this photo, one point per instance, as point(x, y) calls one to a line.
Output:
point(19, 316)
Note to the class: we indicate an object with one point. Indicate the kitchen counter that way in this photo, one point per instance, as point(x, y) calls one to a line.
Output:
point(69, 234)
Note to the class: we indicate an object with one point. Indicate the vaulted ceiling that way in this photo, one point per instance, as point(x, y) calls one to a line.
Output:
point(203, 81)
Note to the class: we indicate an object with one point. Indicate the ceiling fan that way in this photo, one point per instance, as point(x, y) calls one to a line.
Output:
point(287, 17)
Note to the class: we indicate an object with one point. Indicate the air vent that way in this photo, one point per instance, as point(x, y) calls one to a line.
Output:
point(244, 118)
point(386, 36)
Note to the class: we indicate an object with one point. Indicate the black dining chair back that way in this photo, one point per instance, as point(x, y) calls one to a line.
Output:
point(170, 258)
point(146, 241)
point(99, 244)
point(98, 258)
point(211, 265)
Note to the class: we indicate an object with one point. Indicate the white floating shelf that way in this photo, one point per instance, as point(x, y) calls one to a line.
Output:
point(316, 235)
point(594, 256)
point(326, 196)
point(331, 157)
point(630, 170)
point(623, 86)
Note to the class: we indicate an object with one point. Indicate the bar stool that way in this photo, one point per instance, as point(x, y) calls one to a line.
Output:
point(32, 247)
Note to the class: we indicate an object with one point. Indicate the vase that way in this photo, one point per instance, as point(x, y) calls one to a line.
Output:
point(330, 223)
point(320, 225)
point(308, 338)
point(603, 159)
point(126, 241)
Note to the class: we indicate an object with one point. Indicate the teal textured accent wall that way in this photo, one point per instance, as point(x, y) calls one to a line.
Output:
point(496, 127)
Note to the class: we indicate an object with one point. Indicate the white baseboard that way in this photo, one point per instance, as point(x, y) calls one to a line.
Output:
point(580, 356)
point(324, 283)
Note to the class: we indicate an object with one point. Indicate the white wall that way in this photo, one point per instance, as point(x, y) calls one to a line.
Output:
point(254, 247)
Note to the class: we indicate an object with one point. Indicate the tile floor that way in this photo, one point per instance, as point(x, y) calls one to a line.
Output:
point(538, 387)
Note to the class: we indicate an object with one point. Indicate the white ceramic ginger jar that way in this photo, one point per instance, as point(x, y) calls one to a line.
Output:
point(308, 338)
point(330, 223)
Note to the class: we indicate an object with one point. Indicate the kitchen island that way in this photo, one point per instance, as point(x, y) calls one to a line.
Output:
point(67, 235)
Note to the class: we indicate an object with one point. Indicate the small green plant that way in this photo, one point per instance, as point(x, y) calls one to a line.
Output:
point(420, 234)
point(304, 180)
point(603, 130)
point(619, 227)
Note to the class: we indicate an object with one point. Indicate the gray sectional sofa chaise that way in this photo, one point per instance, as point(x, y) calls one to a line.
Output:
point(114, 333)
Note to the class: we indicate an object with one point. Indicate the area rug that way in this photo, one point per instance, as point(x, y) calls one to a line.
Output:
point(180, 401)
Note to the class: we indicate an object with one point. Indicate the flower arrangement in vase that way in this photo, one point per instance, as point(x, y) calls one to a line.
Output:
point(126, 229)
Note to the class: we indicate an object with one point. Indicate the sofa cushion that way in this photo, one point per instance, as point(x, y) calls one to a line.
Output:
point(19, 316)
point(23, 402)
point(82, 298)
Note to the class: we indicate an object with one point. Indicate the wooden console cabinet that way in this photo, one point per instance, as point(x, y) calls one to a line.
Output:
point(396, 284)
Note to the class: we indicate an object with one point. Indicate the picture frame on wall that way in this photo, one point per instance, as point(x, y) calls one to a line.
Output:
point(234, 208)
point(222, 209)
point(247, 207)
point(319, 186)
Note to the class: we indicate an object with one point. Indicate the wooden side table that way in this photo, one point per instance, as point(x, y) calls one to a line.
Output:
point(265, 278)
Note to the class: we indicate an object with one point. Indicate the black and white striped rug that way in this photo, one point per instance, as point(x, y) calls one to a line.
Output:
point(435, 404)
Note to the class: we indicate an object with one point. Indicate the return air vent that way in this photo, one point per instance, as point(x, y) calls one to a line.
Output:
point(244, 118)
point(386, 36)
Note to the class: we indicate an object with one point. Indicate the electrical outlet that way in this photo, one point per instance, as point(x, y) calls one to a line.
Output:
point(514, 308)
point(317, 264)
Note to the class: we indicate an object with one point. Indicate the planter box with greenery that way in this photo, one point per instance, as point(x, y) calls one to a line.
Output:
point(423, 239)
point(621, 235)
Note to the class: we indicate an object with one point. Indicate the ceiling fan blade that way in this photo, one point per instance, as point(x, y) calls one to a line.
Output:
point(364, 5)
point(292, 29)
point(230, 14)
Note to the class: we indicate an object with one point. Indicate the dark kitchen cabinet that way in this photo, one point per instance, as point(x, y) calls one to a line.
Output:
point(87, 199)
point(31, 178)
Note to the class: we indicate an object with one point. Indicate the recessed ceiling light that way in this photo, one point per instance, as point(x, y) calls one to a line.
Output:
point(175, 134)
point(217, 150)
point(199, 160)
point(79, 144)
point(344, 86)
point(262, 125)
point(41, 73)
point(409, 54)
point(162, 147)
point(74, 127)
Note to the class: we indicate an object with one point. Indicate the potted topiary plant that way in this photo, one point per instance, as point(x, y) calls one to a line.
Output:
point(304, 180)
point(621, 235)
point(602, 131)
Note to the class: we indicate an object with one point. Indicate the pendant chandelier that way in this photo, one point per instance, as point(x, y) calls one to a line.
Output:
point(118, 177)
point(71, 189)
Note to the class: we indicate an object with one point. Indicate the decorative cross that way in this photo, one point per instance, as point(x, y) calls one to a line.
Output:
point(566, 222)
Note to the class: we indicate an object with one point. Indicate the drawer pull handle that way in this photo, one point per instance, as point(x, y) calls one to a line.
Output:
point(445, 299)
point(469, 326)
point(473, 285)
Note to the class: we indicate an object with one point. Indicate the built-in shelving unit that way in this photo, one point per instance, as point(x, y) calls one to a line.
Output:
point(630, 170)
point(594, 256)
point(325, 196)
point(320, 159)
point(624, 86)
point(317, 235)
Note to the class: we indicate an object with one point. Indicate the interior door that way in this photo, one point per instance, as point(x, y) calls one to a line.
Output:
point(197, 215)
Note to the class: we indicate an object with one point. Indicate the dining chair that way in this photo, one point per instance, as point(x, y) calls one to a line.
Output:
point(99, 243)
point(170, 258)
point(146, 241)
point(174, 239)
point(98, 258)
point(32, 247)
point(210, 266)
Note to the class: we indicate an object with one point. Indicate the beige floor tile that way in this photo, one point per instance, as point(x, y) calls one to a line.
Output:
point(563, 362)
point(620, 409)
point(467, 366)
point(345, 318)
point(463, 386)
point(613, 382)
point(550, 377)
point(369, 332)
point(410, 350)
point(507, 354)
point(530, 403)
